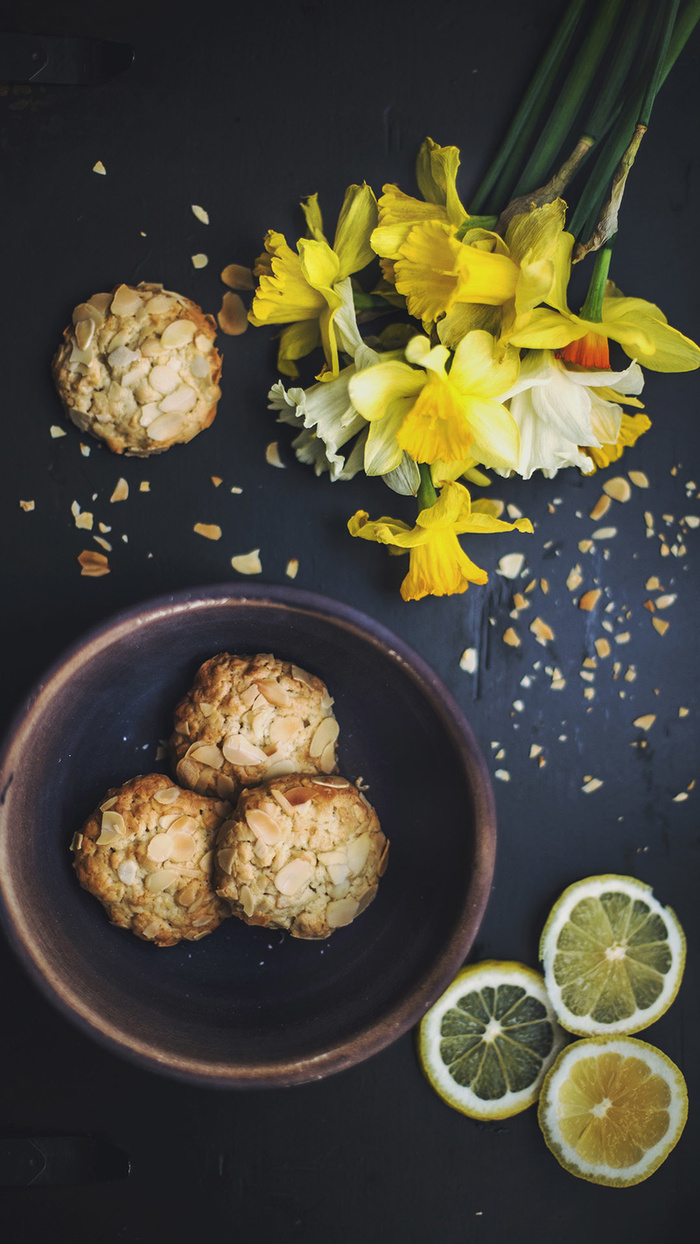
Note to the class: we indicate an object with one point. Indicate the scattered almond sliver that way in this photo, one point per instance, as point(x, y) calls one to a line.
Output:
point(663, 602)
point(200, 213)
point(605, 533)
point(93, 564)
point(144, 486)
point(590, 599)
point(292, 568)
point(511, 638)
point(121, 491)
point(639, 479)
point(618, 488)
point(233, 318)
point(237, 277)
point(660, 625)
point(511, 565)
point(27, 506)
point(600, 508)
point(56, 431)
point(247, 563)
point(467, 661)
point(591, 785)
point(645, 722)
point(542, 632)
point(272, 455)
point(210, 531)
point(99, 167)
point(199, 260)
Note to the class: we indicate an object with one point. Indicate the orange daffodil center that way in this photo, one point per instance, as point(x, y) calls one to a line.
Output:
point(438, 565)
point(441, 416)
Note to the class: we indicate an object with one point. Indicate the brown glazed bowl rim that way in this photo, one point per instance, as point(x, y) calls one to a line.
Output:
point(398, 1018)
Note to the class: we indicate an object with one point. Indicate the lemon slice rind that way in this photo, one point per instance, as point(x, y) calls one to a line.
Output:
point(548, 1115)
point(593, 887)
point(474, 978)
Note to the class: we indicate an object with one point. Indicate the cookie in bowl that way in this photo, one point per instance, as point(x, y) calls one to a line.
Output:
point(146, 854)
point(138, 369)
point(301, 853)
point(249, 718)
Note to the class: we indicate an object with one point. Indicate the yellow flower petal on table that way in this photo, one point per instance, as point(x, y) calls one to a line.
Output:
point(438, 566)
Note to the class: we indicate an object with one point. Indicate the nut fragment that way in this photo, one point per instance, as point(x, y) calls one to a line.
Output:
point(188, 894)
point(208, 754)
point(341, 912)
point(273, 692)
point(511, 637)
point(639, 479)
point(600, 508)
point(645, 722)
point(618, 488)
point(177, 334)
point(167, 795)
point(358, 852)
point(326, 733)
point(237, 277)
point(247, 563)
point(511, 565)
point(159, 848)
point(590, 599)
point(292, 877)
point(126, 302)
point(200, 260)
point(233, 317)
point(128, 871)
point(238, 750)
point(272, 455)
point(93, 564)
point(121, 491)
point(201, 213)
point(541, 631)
point(225, 859)
point(158, 881)
point(210, 531)
point(265, 828)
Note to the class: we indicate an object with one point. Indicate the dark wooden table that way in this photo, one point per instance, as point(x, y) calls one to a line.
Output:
point(243, 109)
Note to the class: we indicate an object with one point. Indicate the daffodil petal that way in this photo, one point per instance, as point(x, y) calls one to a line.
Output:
point(319, 264)
point(283, 295)
point(545, 329)
point(435, 429)
point(314, 220)
point(479, 369)
point(483, 523)
point(436, 174)
point(382, 450)
point(642, 331)
point(496, 440)
point(358, 218)
point(484, 276)
point(405, 478)
point(467, 317)
point(631, 380)
point(386, 531)
point(452, 505)
point(373, 389)
point(426, 273)
point(296, 341)
point(562, 273)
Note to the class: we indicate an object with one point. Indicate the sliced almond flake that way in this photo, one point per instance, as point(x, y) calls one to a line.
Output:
point(247, 563)
point(104, 544)
point(680, 798)
point(618, 488)
point(511, 638)
point(585, 546)
point(272, 455)
point(519, 706)
point(544, 585)
point(526, 681)
point(649, 604)
point(660, 625)
point(664, 550)
point(645, 722)
point(521, 602)
point(639, 479)
point(121, 491)
point(144, 486)
point(630, 674)
point(605, 533)
point(503, 775)
point(200, 260)
point(683, 712)
point(692, 520)
point(27, 506)
point(468, 661)
point(668, 519)
point(237, 491)
point(574, 578)
point(93, 565)
point(542, 632)
point(664, 602)
point(607, 625)
point(602, 647)
point(292, 568)
point(500, 754)
point(85, 450)
point(210, 531)
point(511, 565)
point(201, 213)
point(648, 518)
point(591, 785)
point(236, 276)
point(98, 167)
point(56, 431)
point(586, 675)
point(535, 750)
point(600, 508)
point(514, 512)
point(590, 599)
point(557, 684)
point(216, 480)
point(589, 692)
point(624, 637)
point(233, 317)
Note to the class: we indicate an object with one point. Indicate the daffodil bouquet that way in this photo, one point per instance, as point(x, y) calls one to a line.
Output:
point(484, 364)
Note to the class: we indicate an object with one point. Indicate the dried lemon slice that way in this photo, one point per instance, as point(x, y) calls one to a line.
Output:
point(611, 1109)
point(487, 1042)
point(613, 957)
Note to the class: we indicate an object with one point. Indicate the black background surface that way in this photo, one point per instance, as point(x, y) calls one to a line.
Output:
point(244, 109)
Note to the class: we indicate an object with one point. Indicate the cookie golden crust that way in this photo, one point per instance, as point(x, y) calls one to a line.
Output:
point(301, 853)
point(146, 854)
point(138, 369)
point(249, 718)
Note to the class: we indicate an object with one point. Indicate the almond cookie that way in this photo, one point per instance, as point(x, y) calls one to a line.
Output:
point(301, 853)
point(138, 369)
point(146, 854)
point(249, 718)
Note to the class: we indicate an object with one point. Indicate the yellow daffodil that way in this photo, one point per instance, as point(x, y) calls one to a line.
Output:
point(301, 289)
point(631, 428)
point(438, 566)
point(436, 173)
point(443, 271)
point(638, 326)
point(440, 416)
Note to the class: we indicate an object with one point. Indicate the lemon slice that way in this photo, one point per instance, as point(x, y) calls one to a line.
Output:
point(487, 1042)
point(612, 1108)
point(613, 957)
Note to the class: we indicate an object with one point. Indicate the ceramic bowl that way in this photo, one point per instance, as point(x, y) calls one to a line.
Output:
point(246, 1006)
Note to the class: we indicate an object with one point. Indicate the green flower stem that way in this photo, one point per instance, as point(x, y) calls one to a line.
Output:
point(427, 495)
point(592, 308)
point(683, 29)
point(571, 96)
point(501, 174)
point(656, 79)
point(613, 89)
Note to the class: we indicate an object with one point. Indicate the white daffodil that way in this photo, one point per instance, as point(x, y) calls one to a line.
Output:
point(558, 411)
point(329, 419)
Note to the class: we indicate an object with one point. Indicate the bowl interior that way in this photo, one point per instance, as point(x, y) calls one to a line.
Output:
point(246, 1003)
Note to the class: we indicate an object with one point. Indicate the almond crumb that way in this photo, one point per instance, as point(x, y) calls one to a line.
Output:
point(520, 601)
point(272, 455)
point(201, 213)
point(681, 798)
point(664, 602)
point(93, 564)
point(660, 625)
point(27, 506)
point(503, 775)
point(542, 632)
point(56, 431)
point(98, 167)
point(210, 531)
point(247, 563)
point(617, 488)
point(511, 638)
point(585, 546)
point(199, 260)
point(590, 599)
point(511, 565)
point(535, 750)
point(649, 604)
point(121, 491)
point(544, 585)
point(602, 647)
point(574, 578)
point(600, 508)
point(624, 637)
point(644, 722)
point(292, 568)
point(590, 785)
point(683, 712)
point(639, 479)
point(467, 661)
point(605, 533)
point(144, 486)
point(216, 480)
